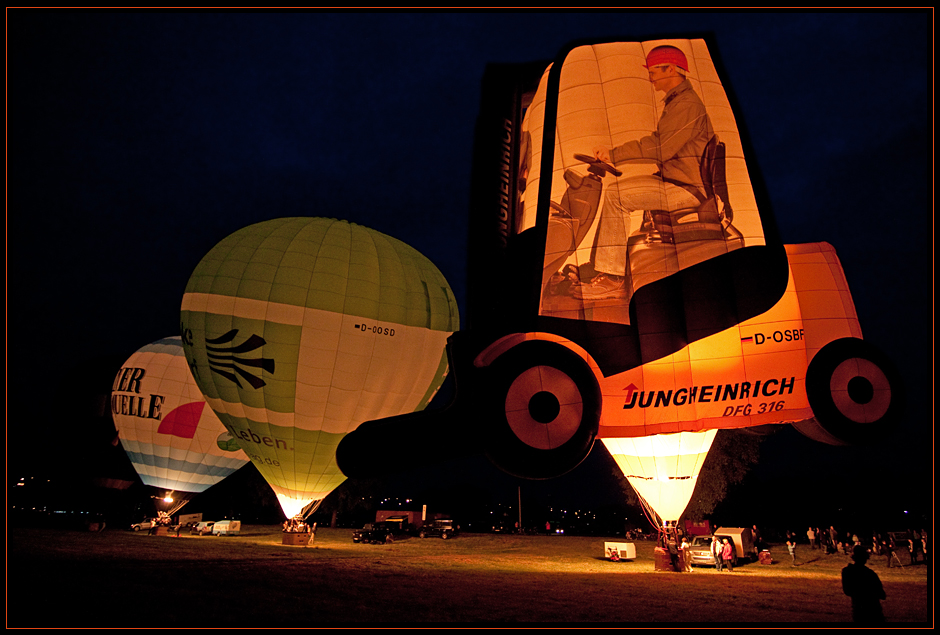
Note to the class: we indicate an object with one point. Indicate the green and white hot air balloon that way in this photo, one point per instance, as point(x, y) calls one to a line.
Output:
point(299, 329)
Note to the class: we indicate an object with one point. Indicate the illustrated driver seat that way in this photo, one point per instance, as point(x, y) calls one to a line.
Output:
point(710, 220)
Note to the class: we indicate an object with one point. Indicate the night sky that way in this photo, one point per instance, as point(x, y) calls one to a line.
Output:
point(137, 141)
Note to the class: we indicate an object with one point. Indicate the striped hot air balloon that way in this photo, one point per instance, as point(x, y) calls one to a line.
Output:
point(175, 441)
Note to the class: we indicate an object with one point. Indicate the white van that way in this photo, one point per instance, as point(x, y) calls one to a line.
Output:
point(226, 527)
point(743, 540)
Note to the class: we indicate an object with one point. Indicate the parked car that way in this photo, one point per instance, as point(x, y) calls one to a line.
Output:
point(202, 529)
point(147, 524)
point(739, 537)
point(701, 550)
point(444, 527)
point(375, 533)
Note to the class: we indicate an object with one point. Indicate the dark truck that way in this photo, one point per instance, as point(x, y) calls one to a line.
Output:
point(443, 527)
point(375, 533)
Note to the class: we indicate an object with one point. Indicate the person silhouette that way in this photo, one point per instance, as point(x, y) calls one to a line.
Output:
point(864, 587)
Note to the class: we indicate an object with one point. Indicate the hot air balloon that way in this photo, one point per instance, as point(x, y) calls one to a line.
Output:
point(299, 329)
point(175, 441)
point(663, 469)
point(626, 284)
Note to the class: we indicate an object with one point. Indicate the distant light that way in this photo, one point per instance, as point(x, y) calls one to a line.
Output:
point(168, 499)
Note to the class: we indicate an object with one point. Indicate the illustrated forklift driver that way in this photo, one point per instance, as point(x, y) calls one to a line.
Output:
point(677, 146)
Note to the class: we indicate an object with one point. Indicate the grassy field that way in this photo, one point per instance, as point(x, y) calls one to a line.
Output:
point(115, 578)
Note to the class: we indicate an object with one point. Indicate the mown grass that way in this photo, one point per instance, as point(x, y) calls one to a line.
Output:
point(121, 579)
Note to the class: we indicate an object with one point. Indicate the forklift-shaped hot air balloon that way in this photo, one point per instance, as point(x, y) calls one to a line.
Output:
point(626, 286)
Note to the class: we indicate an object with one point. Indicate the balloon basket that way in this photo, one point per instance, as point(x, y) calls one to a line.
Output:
point(296, 538)
point(662, 561)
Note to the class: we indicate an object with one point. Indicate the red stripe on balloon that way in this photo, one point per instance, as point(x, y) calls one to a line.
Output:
point(183, 420)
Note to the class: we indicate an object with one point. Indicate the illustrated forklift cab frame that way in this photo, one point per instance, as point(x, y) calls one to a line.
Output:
point(526, 389)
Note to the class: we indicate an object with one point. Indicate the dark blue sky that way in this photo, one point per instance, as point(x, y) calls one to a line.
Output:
point(136, 141)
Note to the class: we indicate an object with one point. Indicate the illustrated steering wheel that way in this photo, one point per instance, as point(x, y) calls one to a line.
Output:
point(596, 166)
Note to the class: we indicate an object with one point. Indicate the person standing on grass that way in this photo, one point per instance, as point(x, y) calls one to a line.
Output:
point(673, 549)
point(791, 548)
point(686, 555)
point(864, 587)
point(914, 546)
point(716, 552)
point(727, 555)
point(891, 549)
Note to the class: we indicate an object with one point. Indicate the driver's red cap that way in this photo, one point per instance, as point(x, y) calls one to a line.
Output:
point(667, 55)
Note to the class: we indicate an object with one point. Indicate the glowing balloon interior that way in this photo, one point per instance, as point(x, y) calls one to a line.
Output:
point(663, 469)
point(299, 329)
point(174, 440)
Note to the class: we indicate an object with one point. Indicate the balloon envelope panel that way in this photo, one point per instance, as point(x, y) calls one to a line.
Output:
point(174, 440)
point(300, 329)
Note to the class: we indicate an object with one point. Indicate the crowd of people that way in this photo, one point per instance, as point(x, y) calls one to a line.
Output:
point(898, 548)
point(298, 526)
point(860, 583)
point(163, 519)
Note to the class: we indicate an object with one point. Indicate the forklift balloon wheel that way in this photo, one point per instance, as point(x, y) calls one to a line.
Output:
point(543, 410)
